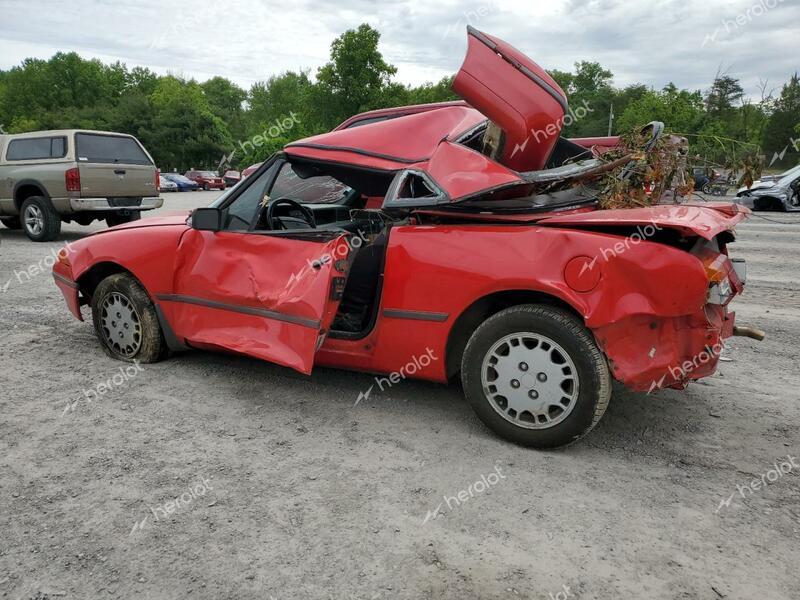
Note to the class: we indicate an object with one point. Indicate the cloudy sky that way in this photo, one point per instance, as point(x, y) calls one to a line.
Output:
point(648, 41)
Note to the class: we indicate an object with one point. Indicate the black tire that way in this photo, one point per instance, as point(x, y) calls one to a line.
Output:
point(147, 345)
point(205, 187)
point(11, 222)
point(706, 189)
point(114, 220)
point(39, 219)
point(590, 398)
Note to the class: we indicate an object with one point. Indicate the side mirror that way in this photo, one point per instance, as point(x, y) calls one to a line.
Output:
point(207, 219)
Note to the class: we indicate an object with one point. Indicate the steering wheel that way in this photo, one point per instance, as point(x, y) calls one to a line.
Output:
point(275, 222)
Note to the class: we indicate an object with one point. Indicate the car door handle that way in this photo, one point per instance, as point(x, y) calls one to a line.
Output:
point(119, 171)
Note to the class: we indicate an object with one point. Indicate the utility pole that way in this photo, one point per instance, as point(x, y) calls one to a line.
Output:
point(610, 120)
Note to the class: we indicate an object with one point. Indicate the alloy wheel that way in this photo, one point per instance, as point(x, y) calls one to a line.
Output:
point(34, 220)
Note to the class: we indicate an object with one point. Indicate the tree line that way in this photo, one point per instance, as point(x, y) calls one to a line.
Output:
point(187, 124)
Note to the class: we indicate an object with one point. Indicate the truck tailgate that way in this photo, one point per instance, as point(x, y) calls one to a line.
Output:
point(114, 167)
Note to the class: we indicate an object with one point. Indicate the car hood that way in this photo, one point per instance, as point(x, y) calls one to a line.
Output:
point(162, 220)
point(759, 186)
point(706, 221)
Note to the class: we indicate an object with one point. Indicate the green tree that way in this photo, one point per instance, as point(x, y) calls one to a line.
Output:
point(185, 132)
point(680, 110)
point(782, 127)
point(355, 78)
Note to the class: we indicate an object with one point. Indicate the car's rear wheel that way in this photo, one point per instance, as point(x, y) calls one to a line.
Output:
point(11, 222)
point(114, 220)
point(125, 320)
point(40, 220)
point(534, 375)
point(205, 187)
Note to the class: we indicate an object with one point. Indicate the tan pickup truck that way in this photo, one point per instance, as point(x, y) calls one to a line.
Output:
point(47, 177)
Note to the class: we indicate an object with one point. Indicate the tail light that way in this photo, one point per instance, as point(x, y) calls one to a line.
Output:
point(72, 178)
point(724, 280)
point(158, 180)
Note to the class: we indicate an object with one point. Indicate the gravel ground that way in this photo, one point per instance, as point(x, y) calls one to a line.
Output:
point(213, 476)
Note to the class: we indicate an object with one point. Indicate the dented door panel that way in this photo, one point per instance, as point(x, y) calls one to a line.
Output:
point(267, 296)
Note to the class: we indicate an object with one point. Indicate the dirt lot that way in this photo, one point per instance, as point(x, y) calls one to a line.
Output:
point(285, 489)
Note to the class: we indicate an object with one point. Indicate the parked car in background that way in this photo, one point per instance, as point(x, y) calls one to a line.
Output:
point(165, 185)
point(250, 170)
point(184, 184)
point(704, 177)
point(232, 178)
point(208, 180)
point(781, 193)
point(50, 177)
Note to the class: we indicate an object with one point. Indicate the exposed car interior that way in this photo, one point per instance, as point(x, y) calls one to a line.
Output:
point(299, 200)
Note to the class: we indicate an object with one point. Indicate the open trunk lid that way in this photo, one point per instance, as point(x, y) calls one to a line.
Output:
point(517, 95)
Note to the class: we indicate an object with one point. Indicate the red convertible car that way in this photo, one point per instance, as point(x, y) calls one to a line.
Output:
point(482, 262)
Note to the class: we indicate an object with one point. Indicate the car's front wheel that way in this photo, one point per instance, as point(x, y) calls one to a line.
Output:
point(125, 320)
point(535, 376)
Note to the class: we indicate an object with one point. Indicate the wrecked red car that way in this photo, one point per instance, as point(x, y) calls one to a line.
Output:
point(488, 259)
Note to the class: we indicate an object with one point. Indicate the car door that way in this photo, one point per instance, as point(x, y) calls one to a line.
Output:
point(268, 294)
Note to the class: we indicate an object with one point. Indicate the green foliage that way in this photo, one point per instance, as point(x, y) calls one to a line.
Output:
point(681, 110)
point(355, 79)
point(186, 124)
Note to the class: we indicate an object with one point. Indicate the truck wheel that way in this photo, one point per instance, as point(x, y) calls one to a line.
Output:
point(125, 320)
point(114, 220)
point(11, 222)
point(40, 220)
point(205, 187)
point(534, 375)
